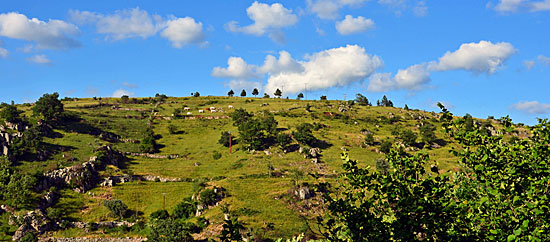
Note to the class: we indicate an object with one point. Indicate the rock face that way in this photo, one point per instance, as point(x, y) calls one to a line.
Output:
point(82, 177)
point(33, 221)
point(127, 239)
point(303, 193)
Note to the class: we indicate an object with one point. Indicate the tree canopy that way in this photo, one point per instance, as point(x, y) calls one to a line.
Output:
point(48, 106)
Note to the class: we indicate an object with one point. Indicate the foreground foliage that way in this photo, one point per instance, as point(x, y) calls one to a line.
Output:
point(500, 192)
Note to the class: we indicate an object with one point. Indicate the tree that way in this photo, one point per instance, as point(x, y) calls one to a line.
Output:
point(278, 93)
point(243, 93)
point(303, 134)
point(116, 207)
point(230, 93)
point(408, 137)
point(369, 139)
point(172, 230)
point(48, 106)
point(224, 139)
point(406, 107)
point(323, 97)
point(266, 95)
point(16, 188)
point(240, 116)
point(283, 140)
point(384, 101)
point(362, 100)
point(255, 92)
point(427, 133)
point(10, 113)
point(197, 94)
point(232, 230)
point(399, 202)
point(125, 98)
point(300, 96)
point(186, 209)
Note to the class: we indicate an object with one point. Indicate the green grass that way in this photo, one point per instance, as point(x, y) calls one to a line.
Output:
point(242, 173)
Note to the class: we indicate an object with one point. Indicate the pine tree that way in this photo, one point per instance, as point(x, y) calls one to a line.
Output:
point(230, 93)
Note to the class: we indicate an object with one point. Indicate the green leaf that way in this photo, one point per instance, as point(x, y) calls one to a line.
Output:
point(511, 237)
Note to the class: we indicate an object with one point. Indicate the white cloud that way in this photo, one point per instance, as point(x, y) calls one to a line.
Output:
point(529, 64)
point(532, 107)
point(137, 23)
point(328, 9)
point(238, 85)
point(4, 53)
point(122, 92)
point(39, 59)
point(510, 6)
point(351, 25)
point(420, 9)
point(183, 31)
point(413, 78)
point(54, 34)
point(381, 82)
point(482, 57)
point(267, 19)
point(237, 69)
point(329, 68)
point(285, 64)
point(544, 60)
point(123, 24)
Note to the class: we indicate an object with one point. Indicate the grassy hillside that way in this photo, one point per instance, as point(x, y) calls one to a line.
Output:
point(258, 198)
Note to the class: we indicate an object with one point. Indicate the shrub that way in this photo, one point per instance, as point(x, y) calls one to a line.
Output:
point(385, 146)
point(224, 139)
point(369, 139)
point(116, 207)
point(172, 129)
point(283, 140)
point(303, 134)
point(216, 155)
point(408, 137)
point(184, 210)
point(208, 197)
point(48, 106)
point(159, 214)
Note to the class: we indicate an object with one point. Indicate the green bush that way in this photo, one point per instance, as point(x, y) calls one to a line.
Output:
point(216, 155)
point(159, 214)
point(184, 210)
point(116, 207)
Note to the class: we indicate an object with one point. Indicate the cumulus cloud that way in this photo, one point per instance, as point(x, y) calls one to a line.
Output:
point(267, 19)
point(137, 23)
point(54, 34)
point(39, 59)
point(285, 64)
point(329, 68)
point(510, 6)
point(328, 9)
point(544, 60)
point(413, 78)
point(182, 31)
point(237, 85)
point(482, 57)
point(237, 69)
point(121, 92)
point(350, 25)
point(123, 24)
point(532, 107)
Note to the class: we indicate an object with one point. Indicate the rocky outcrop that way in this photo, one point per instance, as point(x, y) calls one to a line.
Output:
point(154, 156)
point(33, 222)
point(85, 176)
point(303, 193)
point(313, 153)
point(84, 239)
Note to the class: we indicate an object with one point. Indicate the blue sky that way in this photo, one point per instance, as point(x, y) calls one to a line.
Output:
point(478, 57)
